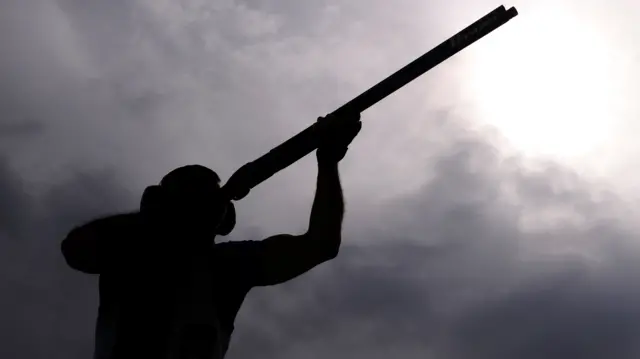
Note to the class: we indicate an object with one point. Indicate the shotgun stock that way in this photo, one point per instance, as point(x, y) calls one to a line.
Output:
point(300, 145)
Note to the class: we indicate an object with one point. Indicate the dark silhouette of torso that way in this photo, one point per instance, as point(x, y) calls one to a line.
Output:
point(164, 301)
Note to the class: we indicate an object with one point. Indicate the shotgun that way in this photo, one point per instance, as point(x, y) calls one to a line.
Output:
point(300, 145)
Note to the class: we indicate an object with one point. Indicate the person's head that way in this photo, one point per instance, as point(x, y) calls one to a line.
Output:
point(190, 199)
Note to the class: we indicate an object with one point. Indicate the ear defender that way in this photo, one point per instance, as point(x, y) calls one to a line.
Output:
point(229, 221)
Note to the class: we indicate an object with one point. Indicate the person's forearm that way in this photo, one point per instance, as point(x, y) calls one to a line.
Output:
point(80, 248)
point(328, 207)
point(91, 247)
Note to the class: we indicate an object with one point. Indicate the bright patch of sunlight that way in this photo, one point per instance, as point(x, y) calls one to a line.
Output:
point(545, 80)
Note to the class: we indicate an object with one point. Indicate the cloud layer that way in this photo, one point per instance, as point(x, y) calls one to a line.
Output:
point(453, 248)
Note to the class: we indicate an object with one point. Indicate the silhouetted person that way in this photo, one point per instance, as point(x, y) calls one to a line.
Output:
point(167, 291)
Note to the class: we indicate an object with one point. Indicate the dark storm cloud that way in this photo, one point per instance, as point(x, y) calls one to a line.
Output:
point(570, 315)
point(15, 206)
point(47, 310)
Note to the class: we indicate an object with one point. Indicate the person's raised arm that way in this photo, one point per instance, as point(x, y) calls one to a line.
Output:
point(94, 246)
point(284, 257)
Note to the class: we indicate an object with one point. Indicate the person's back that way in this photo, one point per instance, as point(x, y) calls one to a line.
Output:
point(163, 304)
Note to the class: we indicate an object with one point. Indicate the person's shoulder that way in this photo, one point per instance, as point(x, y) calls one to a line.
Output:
point(127, 224)
point(134, 218)
point(123, 220)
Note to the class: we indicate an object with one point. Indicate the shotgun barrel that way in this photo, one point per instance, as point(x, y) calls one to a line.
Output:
point(300, 145)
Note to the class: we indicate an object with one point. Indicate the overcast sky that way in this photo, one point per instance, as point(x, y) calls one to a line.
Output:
point(491, 204)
